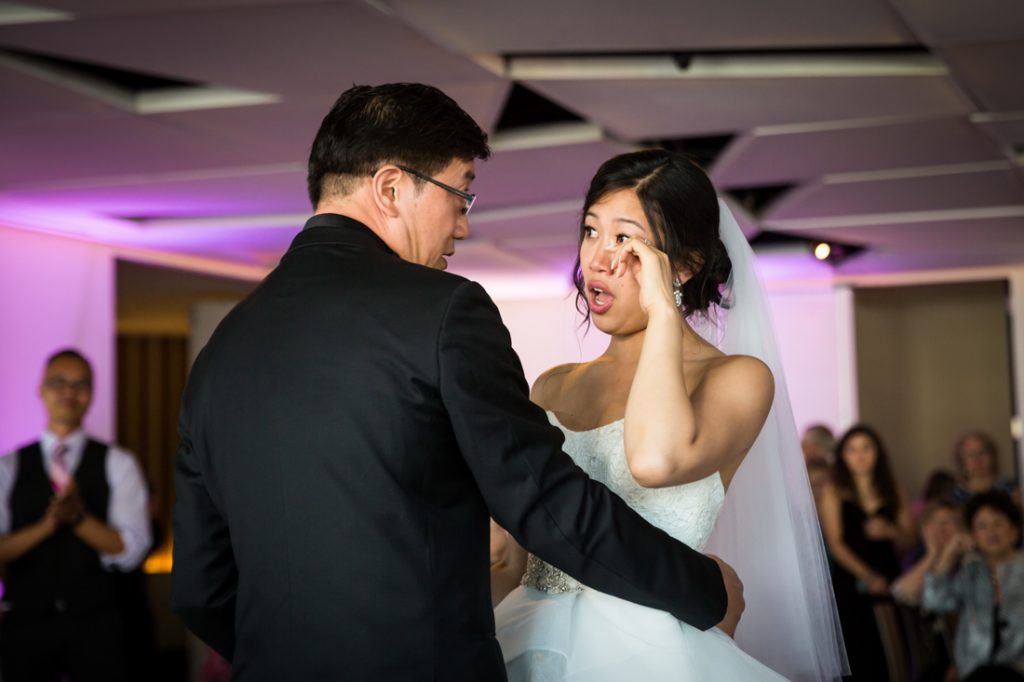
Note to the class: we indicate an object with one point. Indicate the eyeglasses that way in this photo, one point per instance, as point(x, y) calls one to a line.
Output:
point(468, 197)
point(59, 384)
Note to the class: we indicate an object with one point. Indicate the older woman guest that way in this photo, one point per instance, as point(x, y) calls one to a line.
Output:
point(977, 461)
point(987, 590)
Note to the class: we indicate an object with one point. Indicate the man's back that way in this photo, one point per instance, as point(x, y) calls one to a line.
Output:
point(357, 529)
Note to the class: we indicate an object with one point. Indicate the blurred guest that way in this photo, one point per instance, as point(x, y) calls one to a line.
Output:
point(72, 510)
point(941, 521)
point(977, 461)
point(927, 634)
point(818, 443)
point(987, 590)
point(940, 485)
point(819, 473)
point(865, 518)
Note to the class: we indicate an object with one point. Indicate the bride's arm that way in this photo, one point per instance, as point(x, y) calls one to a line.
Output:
point(669, 438)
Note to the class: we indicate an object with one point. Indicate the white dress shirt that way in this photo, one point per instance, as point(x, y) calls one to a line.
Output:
point(127, 511)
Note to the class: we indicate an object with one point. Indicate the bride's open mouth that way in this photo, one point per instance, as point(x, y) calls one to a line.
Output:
point(599, 298)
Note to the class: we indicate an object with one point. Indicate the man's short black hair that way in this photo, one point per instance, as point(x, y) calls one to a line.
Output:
point(73, 353)
point(407, 124)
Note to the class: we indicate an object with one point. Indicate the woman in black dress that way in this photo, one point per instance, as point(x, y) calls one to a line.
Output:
point(866, 522)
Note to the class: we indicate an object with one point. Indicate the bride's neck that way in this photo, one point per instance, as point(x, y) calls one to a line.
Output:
point(625, 348)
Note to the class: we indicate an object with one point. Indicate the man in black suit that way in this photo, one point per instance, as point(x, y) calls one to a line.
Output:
point(352, 424)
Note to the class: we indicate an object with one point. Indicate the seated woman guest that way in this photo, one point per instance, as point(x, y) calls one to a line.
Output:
point(941, 522)
point(987, 590)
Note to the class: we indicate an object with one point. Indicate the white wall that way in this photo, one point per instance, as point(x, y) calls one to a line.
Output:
point(545, 332)
point(54, 293)
point(814, 328)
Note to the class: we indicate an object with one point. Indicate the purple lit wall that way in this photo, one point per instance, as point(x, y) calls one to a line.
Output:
point(54, 293)
point(545, 332)
point(814, 329)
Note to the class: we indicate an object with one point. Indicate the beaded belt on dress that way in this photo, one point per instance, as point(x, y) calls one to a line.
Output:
point(545, 577)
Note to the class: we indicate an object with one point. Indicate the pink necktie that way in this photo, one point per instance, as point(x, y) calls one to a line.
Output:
point(60, 477)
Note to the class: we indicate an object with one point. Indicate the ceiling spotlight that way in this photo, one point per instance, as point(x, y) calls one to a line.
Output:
point(833, 253)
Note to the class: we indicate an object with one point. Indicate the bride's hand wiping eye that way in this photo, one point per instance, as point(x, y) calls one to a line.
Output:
point(650, 267)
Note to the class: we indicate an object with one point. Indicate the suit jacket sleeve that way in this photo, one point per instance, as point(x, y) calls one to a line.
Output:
point(539, 495)
point(204, 578)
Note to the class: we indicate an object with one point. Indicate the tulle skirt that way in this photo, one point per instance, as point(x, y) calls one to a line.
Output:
point(589, 636)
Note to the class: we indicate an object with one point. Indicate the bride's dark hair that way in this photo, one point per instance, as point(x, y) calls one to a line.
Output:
point(681, 207)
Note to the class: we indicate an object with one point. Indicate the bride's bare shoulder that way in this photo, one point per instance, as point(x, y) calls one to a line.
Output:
point(550, 384)
point(741, 375)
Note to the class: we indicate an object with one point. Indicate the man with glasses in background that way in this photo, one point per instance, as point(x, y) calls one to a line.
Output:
point(73, 510)
point(352, 424)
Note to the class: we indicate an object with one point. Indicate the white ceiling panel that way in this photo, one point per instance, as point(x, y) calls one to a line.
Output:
point(938, 244)
point(1006, 129)
point(115, 145)
point(957, 23)
point(289, 50)
point(27, 98)
point(555, 228)
point(532, 176)
point(990, 73)
point(638, 109)
point(219, 193)
point(91, 8)
point(899, 195)
point(769, 156)
point(541, 26)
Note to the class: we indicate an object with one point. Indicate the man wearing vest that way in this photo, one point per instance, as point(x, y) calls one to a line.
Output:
point(72, 511)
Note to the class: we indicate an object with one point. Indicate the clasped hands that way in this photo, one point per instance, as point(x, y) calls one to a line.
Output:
point(880, 528)
point(66, 507)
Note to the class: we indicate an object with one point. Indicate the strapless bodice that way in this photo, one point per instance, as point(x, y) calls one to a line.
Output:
point(686, 512)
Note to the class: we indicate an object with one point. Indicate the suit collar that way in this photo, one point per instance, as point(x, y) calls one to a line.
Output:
point(332, 228)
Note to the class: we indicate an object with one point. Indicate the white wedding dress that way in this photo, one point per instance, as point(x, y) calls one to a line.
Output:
point(553, 629)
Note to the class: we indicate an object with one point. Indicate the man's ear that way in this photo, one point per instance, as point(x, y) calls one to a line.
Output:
point(384, 187)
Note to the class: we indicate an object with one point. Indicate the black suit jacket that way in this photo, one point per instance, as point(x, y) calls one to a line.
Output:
point(344, 436)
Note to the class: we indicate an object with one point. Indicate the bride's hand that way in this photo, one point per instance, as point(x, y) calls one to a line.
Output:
point(652, 270)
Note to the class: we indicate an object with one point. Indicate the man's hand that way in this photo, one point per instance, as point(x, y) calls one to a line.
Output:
point(734, 590)
point(67, 505)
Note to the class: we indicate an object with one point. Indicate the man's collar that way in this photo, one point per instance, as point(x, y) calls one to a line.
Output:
point(49, 439)
point(333, 228)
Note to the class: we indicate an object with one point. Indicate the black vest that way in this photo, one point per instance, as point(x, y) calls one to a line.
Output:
point(62, 573)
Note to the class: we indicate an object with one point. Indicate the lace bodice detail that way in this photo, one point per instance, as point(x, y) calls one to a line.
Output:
point(686, 512)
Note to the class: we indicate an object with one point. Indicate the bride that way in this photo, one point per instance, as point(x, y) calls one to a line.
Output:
point(671, 421)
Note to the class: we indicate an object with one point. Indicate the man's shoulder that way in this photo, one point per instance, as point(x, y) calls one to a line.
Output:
point(13, 453)
point(112, 450)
